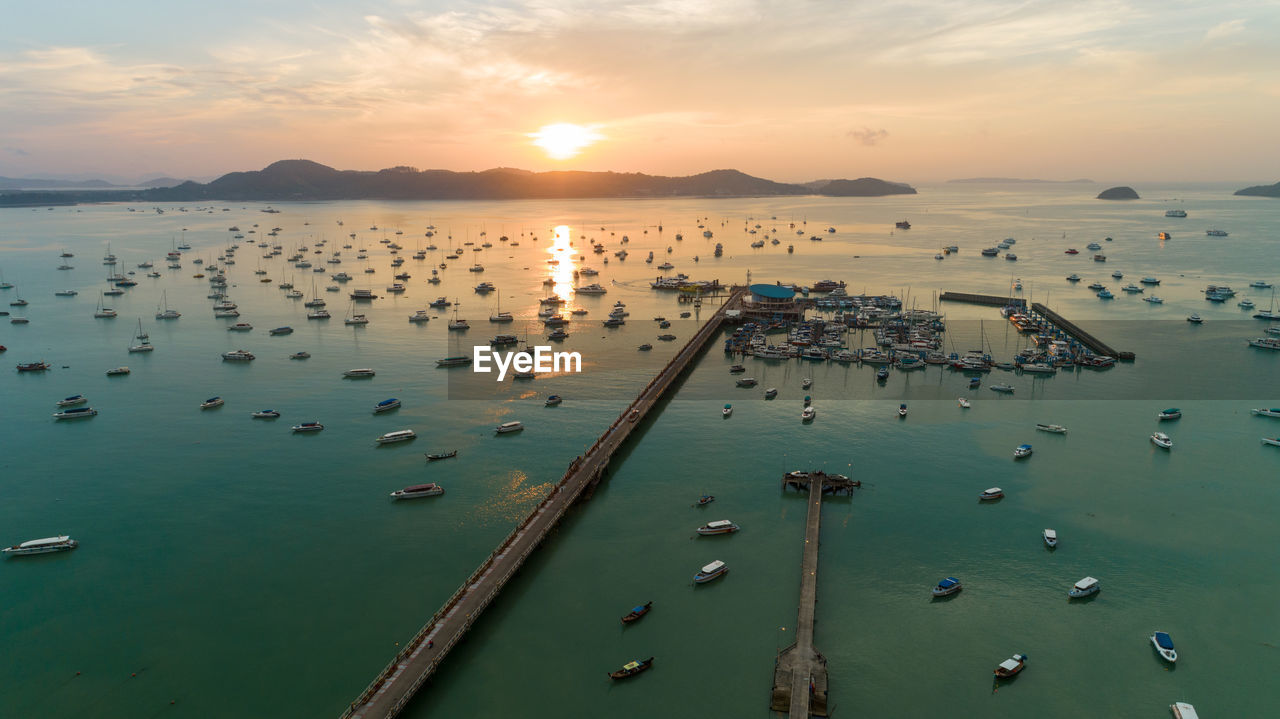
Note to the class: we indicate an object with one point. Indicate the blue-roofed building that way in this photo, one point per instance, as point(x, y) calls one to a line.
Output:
point(772, 302)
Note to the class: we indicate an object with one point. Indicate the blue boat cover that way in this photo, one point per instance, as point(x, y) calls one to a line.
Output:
point(948, 582)
point(1164, 640)
point(1024, 446)
point(637, 609)
point(387, 401)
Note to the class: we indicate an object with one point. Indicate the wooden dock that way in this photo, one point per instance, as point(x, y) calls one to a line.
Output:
point(422, 655)
point(800, 670)
point(992, 300)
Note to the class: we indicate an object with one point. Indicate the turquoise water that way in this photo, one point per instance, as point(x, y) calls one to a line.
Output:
point(238, 569)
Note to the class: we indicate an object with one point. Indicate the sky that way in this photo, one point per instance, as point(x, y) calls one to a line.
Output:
point(792, 90)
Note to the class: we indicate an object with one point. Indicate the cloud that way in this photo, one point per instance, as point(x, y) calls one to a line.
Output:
point(867, 136)
point(1225, 29)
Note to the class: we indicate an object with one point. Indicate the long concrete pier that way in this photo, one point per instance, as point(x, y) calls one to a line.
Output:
point(397, 683)
point(1081, 336)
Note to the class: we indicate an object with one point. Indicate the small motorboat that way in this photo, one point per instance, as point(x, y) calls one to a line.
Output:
point(553, 400)
point(712, 571)
point(441, 455)
point(947, 587)
point(1084, 588)
point(1273, 442)
point(1164, 645)
point(1273, 412)
point(300, 355)
point(770, 393)
point(974, 382)
point(418, 490)
point(1011, 666)
point(265, 414)
point(211, 403)
point(637, 612)
point(308, 427)
point(1171, 413)
point(704, 500)
point(386, 405)
point(630, 669)
point(1183, 710)
point(964, 403)
point(1051, 538)
point(645, 347)
point(806, 384)
point(1195, 319)
point(991, 494)
point(808, 414)
point(727, 411)
point(882, 374)
point(1054, 428)
point(1161, 440)
point(902, 410)
point(1021, 451)
point(720, 526)
point(737, 369)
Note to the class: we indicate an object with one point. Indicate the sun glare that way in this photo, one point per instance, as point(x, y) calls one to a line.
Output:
point(564, 140)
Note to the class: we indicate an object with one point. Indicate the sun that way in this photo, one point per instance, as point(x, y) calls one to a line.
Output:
point(564, 140)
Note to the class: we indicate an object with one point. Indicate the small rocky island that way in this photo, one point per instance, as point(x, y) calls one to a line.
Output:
point(1261, 191)
point(1118, 193)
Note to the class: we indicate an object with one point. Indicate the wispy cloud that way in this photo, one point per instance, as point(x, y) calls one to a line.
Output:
point(1224, 29)
point(867, 136)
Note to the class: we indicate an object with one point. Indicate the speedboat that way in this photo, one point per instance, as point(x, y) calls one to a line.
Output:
point(211, 403)
point(308, 427)
point(1161, 440)
point(386, 405)
point(728, 410)
point(400, 435)
point(418, 490)
point(1022, 450)
point(1195, 319)
point(1164, 645)
point(1183, 710)
point(631, 669)
point(808, 414)
point(637, 612)
point(1051, 538)
point(1273, 442)
point(1273, 412)
point(964, 403)
point(553, 400)
point(1153, 300)
point(902, 410)
point(266, 414)
point(991, 494)
point(75, 413)
point(76, 399)
point(882, 373)
point(358, 373)
point(710, 572)
point(1011, 666)
point(806, 384)
point(42, 546)
point(507, 427)
point(1171, 413)
point(1084, 588)
point(770, 393)
point(1055, 428)
point(946, 587)
point(719, 526)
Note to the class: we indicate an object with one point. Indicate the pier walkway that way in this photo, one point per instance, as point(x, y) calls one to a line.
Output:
point(800, 670)
point(1062, 323)
point(396, 684)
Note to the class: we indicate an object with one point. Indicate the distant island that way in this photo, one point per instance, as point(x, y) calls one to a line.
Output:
point(306, 180)
point(36, 183)
point(1261, 191)
point(1118, 193)
point(1016, 180)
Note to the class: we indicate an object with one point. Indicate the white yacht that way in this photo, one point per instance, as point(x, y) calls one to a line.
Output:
point(1051, 538)
point(720, 526)
point(42, 546)
point(238, 356)
point(75, 413)
point(1084, 588)
point(808, 414)
point(364, 372)
point(400, 435)
point(212, 402)
point(1161, 440)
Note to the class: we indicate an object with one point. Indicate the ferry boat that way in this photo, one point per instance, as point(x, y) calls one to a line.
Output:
point(238, 356)
point(719, 526)
point(947, 587)
point(355, 373)
point(711, 571)
point(1021, 451)
point(441, 455)
point(363, 295)
point(117, 371)
point(1175, 213)
point(1170, 413)
point(1164, 645)
point(240, 327)
point(631, 669)
point(418, 490)
point(1055, 428)
point(991, 494)
point(454, 361)
point(508, 427)
point(41, 546)
point(637, 612)
point(281, 331)
point(808, 414)
point(746, 382)
point(1273, 412)
point(1266, 343)
point(1011, 666)
point(1183, 710)
point(308, 427)
point(1084, 588)
point(77, 399)
point(1050, 538)
point(75, 413)
point(265, 414)
point(400, 435)
point(212, 402)
point(386, 405)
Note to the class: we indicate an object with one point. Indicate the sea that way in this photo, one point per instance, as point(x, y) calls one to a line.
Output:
point(228, 567)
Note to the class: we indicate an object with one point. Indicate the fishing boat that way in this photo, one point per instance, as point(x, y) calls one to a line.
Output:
point(637, 612)
point(418, 490)
point(41, 546)
point(1183, 710)
point(212, 402)
point(1051, 538)
point(902, 410)
point(991, 494)
point(386, 405)
point(1273, 412)
point(265, 414)
point(508, 427)
point(1164, 646)
point(72, 401)
point(308, 427)
point(727, 411)
point(719, 526)
point(358, 373)
point(630, 669)
point(1055, 428)
point(808, 414)
point(947, 587)
point(33, 367)
point(1011, 666)
point(1021, 451)
point(553, 400)
point(75, 413)
point(1161, 440)
point(400, 435)
point(964, 403)
point(1170, 413)
point(1007, 389)
point(711, 571)
point(1085, 587)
